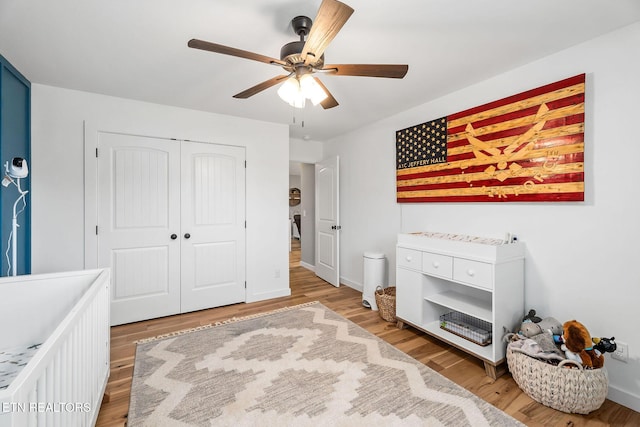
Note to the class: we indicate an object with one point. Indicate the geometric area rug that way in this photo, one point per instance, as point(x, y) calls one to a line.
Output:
point(300, 366)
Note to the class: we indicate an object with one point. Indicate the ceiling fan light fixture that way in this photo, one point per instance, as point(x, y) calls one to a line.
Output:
point(311, 89)
point(291, 93)
point(296, 90)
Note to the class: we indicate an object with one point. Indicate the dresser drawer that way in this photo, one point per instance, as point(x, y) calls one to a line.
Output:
point(437, 265)
point(473, 272)
point(409, 258)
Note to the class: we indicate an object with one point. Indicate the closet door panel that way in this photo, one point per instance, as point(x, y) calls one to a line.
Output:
point(138, 212)
point(213, 225)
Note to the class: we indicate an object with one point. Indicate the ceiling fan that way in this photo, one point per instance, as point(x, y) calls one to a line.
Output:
point(301, 59)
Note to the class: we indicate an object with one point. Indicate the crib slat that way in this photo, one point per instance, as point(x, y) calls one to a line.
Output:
point(32, 415)
point(77, 357)
point(62, 380)
point(56, 386)
point(86, 357)
point(49, 394)
point(41, 390)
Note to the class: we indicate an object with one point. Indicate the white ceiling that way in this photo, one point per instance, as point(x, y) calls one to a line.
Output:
point(137, 49)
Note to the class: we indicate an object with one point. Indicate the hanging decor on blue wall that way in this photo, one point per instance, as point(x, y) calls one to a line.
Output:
point(15, 143)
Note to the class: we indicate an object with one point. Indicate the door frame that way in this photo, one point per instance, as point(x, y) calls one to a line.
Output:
point(90, 194)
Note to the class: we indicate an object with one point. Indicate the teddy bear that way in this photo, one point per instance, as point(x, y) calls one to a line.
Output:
point(578, 345)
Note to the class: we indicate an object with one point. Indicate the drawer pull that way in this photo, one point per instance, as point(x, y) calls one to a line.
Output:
point(409, 258)
point(435, 264)
point(471, 273)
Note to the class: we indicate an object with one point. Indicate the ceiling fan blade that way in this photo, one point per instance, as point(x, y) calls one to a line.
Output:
point(260, 87)
point(330, 101)
point(367, 70)
point(226, 50)
point(332, 15)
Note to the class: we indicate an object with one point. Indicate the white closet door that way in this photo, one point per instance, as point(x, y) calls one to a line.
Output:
point(213, 225)
point(138, 212)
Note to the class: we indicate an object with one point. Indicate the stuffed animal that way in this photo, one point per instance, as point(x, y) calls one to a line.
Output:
point(548, 324)
point(543, 333)
point(531, 317)
point(570, 354)
point(529, 329)
point(604, 345)
point(578, 344)
point(551, 324)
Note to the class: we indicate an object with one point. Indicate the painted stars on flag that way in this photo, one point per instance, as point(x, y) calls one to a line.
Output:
point(422, 145)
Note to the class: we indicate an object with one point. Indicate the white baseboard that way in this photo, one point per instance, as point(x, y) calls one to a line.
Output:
point(307, 266)
point(354, 285)
point(269, 295)
point(624, 398)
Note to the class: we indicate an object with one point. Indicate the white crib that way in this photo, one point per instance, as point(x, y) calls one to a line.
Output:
point(54, 348)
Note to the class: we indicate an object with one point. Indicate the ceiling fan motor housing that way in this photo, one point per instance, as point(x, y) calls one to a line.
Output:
point(290, 53)
point(301, 25)
point(291, 49)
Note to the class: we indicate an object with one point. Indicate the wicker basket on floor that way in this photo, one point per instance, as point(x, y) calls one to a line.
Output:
point(386, 302)
point(572, 390)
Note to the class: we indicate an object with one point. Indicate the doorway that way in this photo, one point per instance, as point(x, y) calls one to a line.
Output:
point(302, 176)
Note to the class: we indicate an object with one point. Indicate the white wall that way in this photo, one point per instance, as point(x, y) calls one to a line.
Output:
point(58, 189)
point(581, 257)
point(305, 151)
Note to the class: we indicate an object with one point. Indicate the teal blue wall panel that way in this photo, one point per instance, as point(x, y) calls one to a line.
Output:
point(15, 141)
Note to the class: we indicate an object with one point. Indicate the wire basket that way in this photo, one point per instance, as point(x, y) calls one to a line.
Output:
point(468, 327)
point(386, 302)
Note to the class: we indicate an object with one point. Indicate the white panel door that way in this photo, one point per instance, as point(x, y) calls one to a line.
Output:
point(327, 221)
point(138, 224)
point(213, 225)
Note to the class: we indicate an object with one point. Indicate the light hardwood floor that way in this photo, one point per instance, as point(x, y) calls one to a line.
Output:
point(305, 286)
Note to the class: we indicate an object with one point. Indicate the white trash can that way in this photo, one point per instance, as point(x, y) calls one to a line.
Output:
point(373, 277)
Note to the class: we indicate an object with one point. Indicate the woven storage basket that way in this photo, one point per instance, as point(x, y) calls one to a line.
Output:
point(578, 391)
point(386, 302)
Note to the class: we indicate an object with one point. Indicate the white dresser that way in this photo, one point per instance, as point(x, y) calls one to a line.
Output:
point(453, 275)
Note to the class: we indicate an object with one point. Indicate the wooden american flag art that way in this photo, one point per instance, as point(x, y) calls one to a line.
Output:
point(527, 147)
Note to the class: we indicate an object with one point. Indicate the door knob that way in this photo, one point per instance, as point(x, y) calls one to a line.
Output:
point(187, 235)
point(174, 236)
